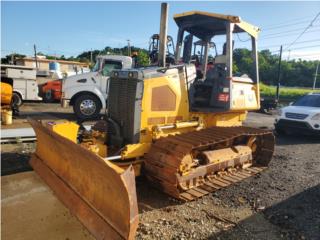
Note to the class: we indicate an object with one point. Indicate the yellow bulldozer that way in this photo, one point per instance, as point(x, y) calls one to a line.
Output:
point(182, 131)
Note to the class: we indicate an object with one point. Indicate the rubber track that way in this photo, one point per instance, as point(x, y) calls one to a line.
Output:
point(166, 154)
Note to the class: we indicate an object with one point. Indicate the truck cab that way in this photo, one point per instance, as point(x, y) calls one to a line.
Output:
point(88, 92)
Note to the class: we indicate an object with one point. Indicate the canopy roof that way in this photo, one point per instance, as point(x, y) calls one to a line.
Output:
point(205, 25)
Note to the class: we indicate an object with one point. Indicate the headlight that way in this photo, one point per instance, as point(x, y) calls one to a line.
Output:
point(133, 74)
point(316, 117)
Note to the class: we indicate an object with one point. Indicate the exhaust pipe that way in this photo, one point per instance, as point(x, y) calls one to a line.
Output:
point(163, 35)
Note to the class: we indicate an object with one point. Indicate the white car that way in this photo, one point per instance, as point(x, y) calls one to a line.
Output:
point(302, 116)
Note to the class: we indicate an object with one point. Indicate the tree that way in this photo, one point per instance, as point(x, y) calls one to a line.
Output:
point(8, 59)
point(294, 72)
point(143, 58)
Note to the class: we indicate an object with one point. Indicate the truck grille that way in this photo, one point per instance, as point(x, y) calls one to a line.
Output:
point(296, 115)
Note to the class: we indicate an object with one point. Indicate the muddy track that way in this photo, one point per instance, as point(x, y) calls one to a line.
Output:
point(171, 161)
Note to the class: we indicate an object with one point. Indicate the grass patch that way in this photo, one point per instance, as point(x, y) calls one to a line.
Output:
point(286, 93)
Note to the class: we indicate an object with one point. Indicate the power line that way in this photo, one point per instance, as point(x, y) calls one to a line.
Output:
point(286, 25)
point(287, 35)
point(301, 48)
point(278, 45)
point(304, 55)
point(283, 35)
point(291, 20)
point(306, 29)
point(289, 31)
point(49, 52)
point(241, 40)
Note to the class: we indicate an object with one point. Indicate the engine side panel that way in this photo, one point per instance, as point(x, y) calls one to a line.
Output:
point(165, 101)
point(245, 96)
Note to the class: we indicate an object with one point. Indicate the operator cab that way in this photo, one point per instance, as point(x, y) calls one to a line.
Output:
point(216, 88)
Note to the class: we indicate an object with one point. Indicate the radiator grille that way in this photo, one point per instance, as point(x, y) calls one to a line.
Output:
point(296, 115)
point(124, 107)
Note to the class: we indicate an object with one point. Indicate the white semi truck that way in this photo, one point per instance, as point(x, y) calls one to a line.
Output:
point(88, 92)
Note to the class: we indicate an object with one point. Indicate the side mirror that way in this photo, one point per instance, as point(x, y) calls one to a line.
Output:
point(290, 103)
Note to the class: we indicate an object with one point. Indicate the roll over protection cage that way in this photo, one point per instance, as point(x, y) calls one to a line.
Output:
point(206, 25)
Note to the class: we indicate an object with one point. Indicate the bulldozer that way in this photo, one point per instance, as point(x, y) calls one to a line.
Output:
point(182, 131)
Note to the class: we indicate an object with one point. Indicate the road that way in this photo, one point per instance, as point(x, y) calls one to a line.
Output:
point(283, 202)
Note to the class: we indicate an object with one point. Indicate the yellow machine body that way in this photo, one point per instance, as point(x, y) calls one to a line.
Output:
point(6, 93)
point(6, 103)
point(165, 103)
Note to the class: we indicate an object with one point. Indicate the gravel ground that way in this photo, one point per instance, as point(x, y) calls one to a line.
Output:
point(282, 202)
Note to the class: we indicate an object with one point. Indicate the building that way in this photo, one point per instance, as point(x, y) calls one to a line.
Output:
point(46, 64)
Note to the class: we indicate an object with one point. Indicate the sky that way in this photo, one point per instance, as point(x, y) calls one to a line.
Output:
point(70, 28)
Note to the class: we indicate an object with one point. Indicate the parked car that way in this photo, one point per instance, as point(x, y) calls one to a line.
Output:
point(88, 92)
point(302, 116)
point(25, 87)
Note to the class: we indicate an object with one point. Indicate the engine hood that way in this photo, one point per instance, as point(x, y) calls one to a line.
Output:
point(85, 78)
point(301, 109)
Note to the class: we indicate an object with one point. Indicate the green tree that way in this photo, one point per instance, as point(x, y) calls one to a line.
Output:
point(143, 58)
point(8, 59)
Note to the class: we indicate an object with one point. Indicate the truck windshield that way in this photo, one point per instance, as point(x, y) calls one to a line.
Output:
point(110, 65)
point(96, 66)
point(308, 101)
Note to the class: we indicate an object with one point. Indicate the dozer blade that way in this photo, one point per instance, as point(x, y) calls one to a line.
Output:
point(100, 194)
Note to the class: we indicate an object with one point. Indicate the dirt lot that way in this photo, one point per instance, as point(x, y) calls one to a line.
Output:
point(281, 203)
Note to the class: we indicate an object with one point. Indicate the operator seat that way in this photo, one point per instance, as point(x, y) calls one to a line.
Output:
point(206, 92)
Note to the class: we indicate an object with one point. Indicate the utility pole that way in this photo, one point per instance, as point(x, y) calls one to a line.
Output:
point(91, 57)
point(279, 75)
point(129, 48)
point(163, 35)
point(315, 77)
point(35, 55)
point(12, 58)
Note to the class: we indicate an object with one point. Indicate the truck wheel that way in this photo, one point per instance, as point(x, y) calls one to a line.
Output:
point(87, 106)
point(16, 99)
